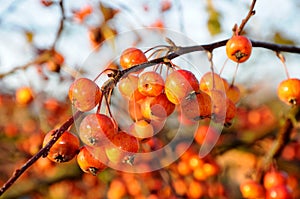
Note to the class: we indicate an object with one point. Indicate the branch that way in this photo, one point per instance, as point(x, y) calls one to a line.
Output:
point(249, 15)
point(283, 138)
point(61, 23)
point(42, 153)
point(118, 74)
point(207, 47)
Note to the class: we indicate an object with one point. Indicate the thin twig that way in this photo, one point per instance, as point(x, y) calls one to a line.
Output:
point(42, 153)
point(249, 15)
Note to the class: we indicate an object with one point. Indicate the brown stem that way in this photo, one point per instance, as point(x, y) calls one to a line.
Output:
point(249, 15)
point(61, 23)
point(283, 138)
point(42, 153)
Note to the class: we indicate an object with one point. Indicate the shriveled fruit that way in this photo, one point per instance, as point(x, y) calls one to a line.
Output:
point(84, 94)
point(64, 149)
point(91, 159)
point(179, 84)
point(96, 129)
point(238, 48)
point(289, 91)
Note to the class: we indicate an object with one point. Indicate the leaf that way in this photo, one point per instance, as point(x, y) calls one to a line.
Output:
point(281, 39)
point(213, 22)
point(29, 36)
point(108, 12)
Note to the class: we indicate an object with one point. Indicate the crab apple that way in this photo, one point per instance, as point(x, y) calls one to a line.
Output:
point(158, 107)
point(210, 81)
point(179, 84)
point(92, 159)
point(55, 62)
point(151, 84)
point(64, 149)
point(196, 106)
point(196, 189)
point(274, 178)
point(279, 192)
point(84, 94)
point(24, 95)
point(252, 190)
point(218, 99)
point(132, 56)
point(206, 132)
point(233, 93)
point(238, 48)
point(128, 86)
point(142, 129)
point(223, 109)
point(122, 148)
point(135, 110)
point(96, 129)
point(288, 91)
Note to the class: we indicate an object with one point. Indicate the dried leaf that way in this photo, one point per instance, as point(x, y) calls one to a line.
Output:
point(282, 39)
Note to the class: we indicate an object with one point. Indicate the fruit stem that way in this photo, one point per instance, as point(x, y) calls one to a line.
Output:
point(282, 59)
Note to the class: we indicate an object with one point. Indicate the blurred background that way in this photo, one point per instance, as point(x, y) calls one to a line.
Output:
point(45, 45)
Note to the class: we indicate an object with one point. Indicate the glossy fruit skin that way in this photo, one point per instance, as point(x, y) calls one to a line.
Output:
point(207, 133)
point(289, 91)
point(96, 129)
point(131, 57)
point(233, 93)
point(151, 84)
point(158, 107)
point(252, 190)
point(24, 96)
point(179, 84)
point(196, 106)
point(279, 192)
point(210, 81)
point(122, 148)
point(238, 48)
point(128, 86)
point(84, 94)
point(274, 178)
point(64, 149)
point(141, 129)
point(88, 162)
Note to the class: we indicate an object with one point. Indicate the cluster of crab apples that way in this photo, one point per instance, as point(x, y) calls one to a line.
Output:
point(152, 97)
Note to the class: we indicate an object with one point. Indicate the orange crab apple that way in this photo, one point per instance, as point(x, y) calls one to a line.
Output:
point(238, 48)
point(179, 84)
point(64, 149)
point(91, 159)
point(122, 148)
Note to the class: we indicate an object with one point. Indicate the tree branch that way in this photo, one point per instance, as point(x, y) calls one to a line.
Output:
point(42, 153)
point(118, 74)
